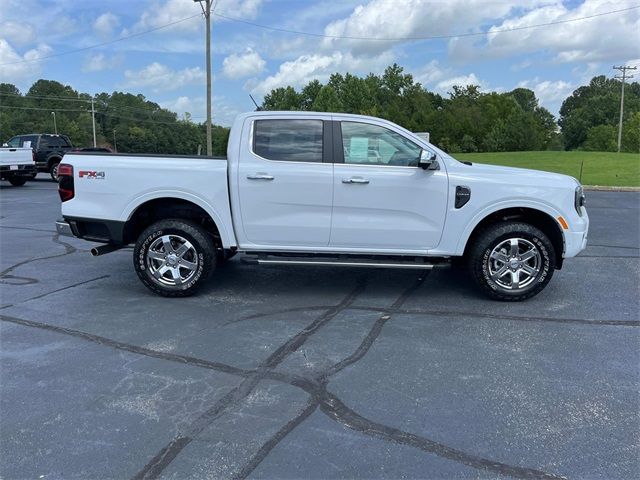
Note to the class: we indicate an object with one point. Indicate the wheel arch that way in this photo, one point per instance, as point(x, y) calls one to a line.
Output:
point(158, 208)
point(543, 220)
point(53, 159)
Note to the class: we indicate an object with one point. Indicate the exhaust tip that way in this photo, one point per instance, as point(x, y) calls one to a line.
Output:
point(95, 252)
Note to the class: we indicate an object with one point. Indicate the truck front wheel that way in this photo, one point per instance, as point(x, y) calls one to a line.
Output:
point(512, 261)
point(174, 257)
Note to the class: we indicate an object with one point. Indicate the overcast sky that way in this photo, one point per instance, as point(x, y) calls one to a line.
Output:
point(167, 65)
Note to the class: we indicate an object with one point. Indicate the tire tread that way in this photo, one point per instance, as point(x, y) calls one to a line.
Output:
point(489, 235)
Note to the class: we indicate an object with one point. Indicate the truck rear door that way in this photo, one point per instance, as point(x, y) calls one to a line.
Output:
point(285, 185)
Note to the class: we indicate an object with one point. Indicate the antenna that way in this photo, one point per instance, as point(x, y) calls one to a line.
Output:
point(254, 102)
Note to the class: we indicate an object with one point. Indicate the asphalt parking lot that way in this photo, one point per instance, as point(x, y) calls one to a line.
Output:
point(306, 372)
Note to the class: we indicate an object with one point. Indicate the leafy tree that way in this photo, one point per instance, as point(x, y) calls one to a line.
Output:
point(631, 134)
point(139, 125)
point(601, 138)
point(283, 98)
point(595, 104)
point(327, 100)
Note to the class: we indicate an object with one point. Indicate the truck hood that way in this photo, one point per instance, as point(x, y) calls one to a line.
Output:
point(517, 176)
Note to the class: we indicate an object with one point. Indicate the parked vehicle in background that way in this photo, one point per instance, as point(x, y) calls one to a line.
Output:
point(49, 149)
point(17, 165)
point(324, 189)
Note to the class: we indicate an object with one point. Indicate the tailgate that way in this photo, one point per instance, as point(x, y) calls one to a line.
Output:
point(15, 156)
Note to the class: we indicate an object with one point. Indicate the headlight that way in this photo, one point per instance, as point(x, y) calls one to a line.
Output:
point(579, 199)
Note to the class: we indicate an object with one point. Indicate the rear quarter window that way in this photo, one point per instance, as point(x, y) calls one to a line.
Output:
point(288, 140)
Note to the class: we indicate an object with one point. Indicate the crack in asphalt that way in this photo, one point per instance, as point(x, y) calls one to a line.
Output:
point(108, 342)
point(607, 256)
point(612, 246)
point(4, 274)
point(338, 411)
point(169, 452)
point(451, 313)
point(501, 316)
point(319, 396)
point(84, 282)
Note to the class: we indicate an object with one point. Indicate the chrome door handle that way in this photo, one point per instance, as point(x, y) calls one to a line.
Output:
point(260, 176)
point(360, 180)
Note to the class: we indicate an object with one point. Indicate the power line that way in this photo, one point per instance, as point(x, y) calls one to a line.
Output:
point(432, 37)
point(46, 97)
point(47, 109)
point(102, 44)
point(54, 98)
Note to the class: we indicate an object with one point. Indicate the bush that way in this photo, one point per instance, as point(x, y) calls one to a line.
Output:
point(601, 138)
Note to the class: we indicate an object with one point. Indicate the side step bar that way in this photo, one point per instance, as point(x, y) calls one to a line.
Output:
point(347, 262)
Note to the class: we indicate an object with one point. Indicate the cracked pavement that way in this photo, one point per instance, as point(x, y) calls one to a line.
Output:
point(311, 372)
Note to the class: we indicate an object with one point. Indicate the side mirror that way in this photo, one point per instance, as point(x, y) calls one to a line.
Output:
point(428, 160)
point(5, 144)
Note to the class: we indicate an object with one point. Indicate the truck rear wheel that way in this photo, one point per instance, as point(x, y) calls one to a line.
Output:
point(512, 261)
point(17, 181)
point(174, 257)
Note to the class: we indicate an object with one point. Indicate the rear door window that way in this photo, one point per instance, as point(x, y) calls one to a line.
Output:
point(288, 140)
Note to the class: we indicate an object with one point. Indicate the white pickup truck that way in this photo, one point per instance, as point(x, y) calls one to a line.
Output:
point(324, 189)
point(17, 165)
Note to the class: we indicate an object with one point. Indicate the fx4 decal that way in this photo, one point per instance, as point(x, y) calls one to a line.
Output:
point(91, 174)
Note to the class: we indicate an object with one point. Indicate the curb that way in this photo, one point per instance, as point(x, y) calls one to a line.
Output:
point(599, 188)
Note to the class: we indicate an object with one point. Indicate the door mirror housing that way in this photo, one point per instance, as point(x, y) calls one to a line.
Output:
point(428, 160)
point(5, 144)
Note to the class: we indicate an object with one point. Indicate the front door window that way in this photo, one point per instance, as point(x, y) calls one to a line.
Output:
point(366, 144)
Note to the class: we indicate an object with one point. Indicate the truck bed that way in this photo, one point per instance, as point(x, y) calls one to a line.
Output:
point(112, 186)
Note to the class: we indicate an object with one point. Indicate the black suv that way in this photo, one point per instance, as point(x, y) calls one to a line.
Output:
point(48, 147)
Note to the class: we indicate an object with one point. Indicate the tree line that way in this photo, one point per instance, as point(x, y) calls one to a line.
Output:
point(124, 121)
point(466, 120)
point(469, 120)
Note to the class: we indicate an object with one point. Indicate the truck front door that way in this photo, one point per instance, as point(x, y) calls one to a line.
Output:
point(285, 187)
point(382, 199)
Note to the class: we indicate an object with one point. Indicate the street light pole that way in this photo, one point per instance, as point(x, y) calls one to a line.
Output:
point(206, 10)
point(55, 126)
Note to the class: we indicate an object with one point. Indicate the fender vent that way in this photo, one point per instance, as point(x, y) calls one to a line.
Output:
point(463, 194)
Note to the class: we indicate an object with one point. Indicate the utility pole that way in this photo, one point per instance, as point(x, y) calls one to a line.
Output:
point(115, 145)
point(623, 69)
point(55, 126)
point(93, 118)
point(206, 11)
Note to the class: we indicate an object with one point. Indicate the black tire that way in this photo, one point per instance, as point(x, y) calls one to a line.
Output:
point(529, 242)
point(17, 181)
point(159, 274)
point(53, 171)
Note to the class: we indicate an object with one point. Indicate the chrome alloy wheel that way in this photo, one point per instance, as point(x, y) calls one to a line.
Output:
point(514, 263)
point(172, 260)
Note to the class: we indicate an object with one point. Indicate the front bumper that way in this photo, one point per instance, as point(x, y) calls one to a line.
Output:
point(576, 237)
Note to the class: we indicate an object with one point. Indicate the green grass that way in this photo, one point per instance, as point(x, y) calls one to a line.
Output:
point(600, 168)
